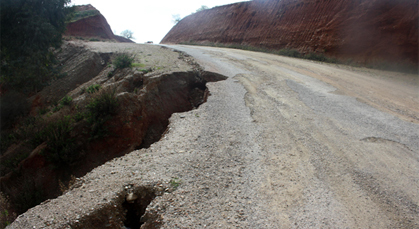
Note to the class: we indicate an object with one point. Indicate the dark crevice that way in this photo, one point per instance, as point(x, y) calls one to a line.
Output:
point(135, 208)
point(195, 95)
point(128, 211)
point(154, 133)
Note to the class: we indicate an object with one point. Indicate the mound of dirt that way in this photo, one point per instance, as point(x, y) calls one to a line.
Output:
point(88, 22)
point(368, 32)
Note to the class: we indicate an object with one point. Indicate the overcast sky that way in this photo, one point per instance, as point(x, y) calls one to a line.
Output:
point(150, 20)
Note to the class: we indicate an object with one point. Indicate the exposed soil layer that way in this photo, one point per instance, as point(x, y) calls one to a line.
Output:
point(368, 32)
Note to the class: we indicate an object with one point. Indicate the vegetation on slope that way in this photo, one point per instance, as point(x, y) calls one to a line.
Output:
point(83, 14)
point(28, 30)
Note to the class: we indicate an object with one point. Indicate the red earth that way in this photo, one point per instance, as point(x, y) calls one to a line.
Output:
point(368, 32)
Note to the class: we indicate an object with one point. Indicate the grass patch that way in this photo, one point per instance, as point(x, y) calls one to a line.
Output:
point(145, 71)
point(175, 183)
point(137, 65)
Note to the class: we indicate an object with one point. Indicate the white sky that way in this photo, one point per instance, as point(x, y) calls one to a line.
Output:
point(150, 20)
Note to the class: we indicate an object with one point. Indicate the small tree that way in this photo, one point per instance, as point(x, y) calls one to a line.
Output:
point(203, 7)
point(127, 34)
point(176, 18)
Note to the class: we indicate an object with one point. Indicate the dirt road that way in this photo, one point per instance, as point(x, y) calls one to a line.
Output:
point(282, 143)
point(329, 146)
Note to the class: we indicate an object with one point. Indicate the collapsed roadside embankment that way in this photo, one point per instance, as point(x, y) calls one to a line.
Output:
point(109, 112)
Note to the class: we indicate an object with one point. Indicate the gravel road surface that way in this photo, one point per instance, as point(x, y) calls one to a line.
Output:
point(282, 143)
point(309, 153)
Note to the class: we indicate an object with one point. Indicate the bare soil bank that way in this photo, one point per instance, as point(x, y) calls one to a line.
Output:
point(375, 33)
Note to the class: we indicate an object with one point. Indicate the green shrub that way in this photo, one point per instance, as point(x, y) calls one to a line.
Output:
point(110, 74)
point(78, 116)
point(93, 88)
point(60, 148)
point(57, 108)
point(100, 110)
point(66, 100)
point(123, 60)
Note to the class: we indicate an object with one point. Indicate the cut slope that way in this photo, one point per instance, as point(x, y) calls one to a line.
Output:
point(365, 31)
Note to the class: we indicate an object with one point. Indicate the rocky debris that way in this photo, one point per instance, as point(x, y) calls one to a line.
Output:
point(368, 32)
point(90, 23)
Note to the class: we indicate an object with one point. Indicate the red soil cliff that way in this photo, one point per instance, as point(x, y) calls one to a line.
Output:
point(365, 31)
point(90, 23)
